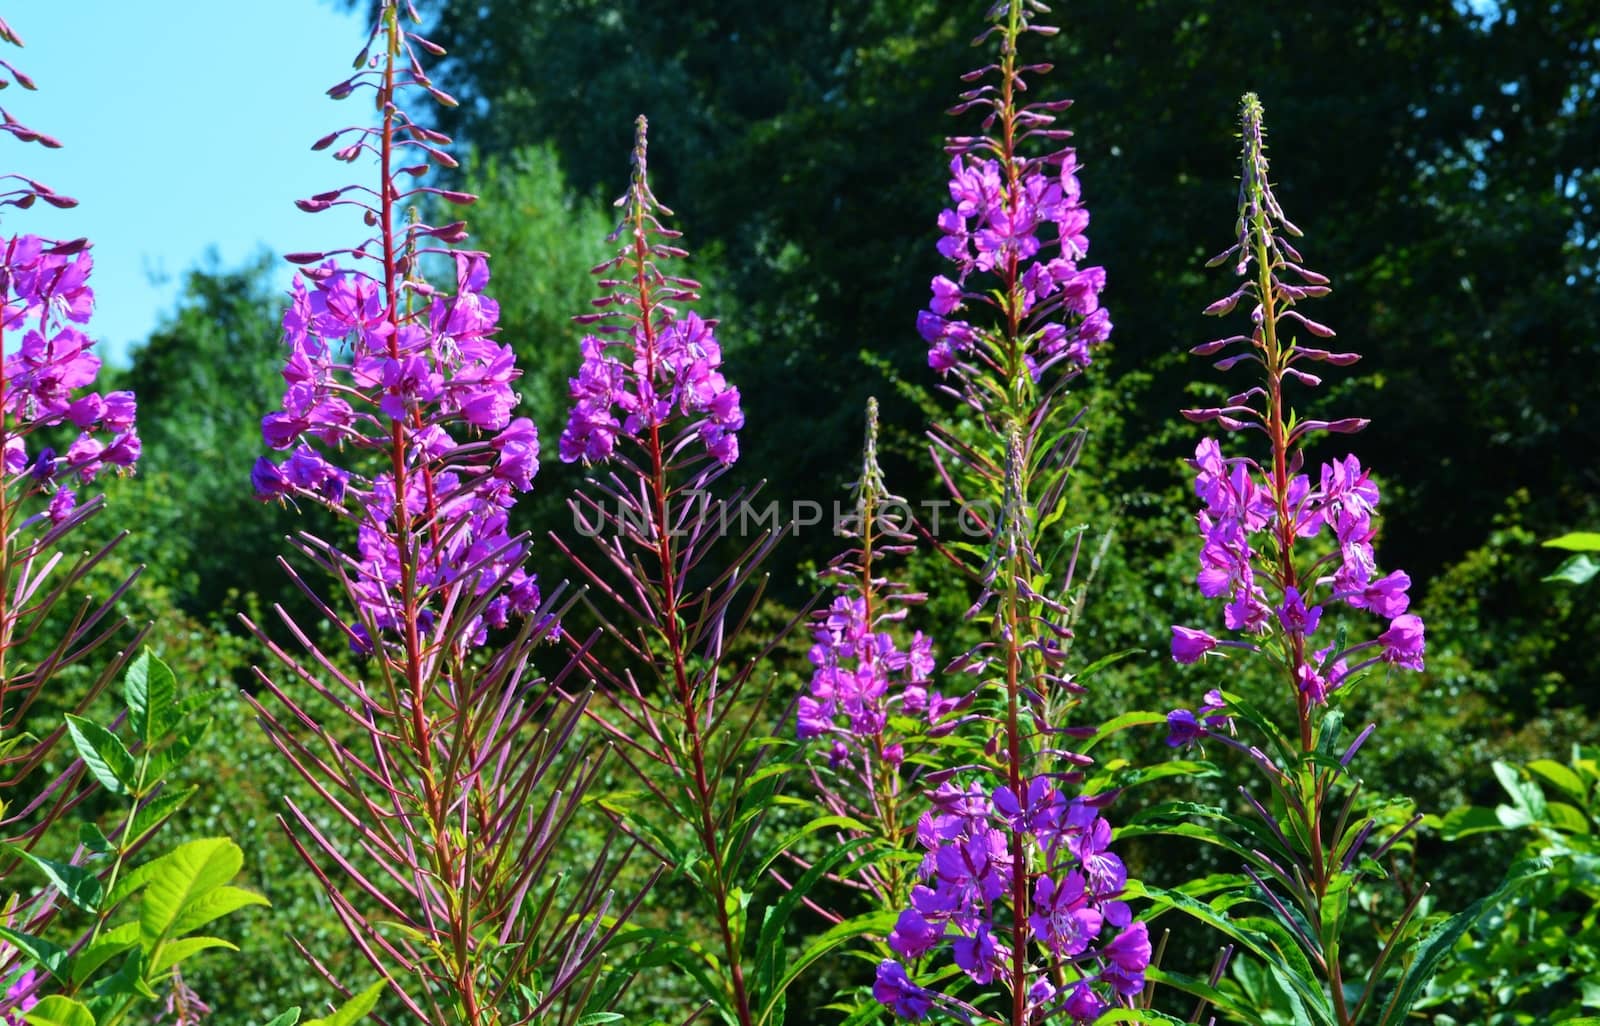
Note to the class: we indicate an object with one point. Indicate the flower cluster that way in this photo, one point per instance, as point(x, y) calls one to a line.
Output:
point(677, 366)
point(1239, 506)
point(47, 296)
point(1269, 593)
point(357, 372)
point(1001, 210)
point(860, 674)
point(387, 364)
point(21, 996)
point(1089, 952)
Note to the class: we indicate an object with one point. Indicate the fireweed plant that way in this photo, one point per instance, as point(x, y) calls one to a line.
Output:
point(684, 693)
point(1017, 885)
point(45, 398)
point(1280, 547)
point(440, 757)
point(110, 927)
point(868, 704)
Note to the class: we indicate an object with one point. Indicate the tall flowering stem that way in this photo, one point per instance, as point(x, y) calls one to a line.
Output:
point(869, 702)
point(47, 399)
point(1286, 554)
point(1017, 877)
point(674, 581)
point(399, 417)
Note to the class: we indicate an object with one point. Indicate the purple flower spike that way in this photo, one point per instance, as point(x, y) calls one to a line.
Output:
point(1256, 513)
point(46, 298)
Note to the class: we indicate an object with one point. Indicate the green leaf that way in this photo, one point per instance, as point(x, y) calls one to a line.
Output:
point(1198, 988)
point(353, 1010)
point(288, 1018)
point(1265, 938)
point(103, 752)
point(1525, 794)
point(1135, 1015)
point(80, 886)
point(1566, 818)
point(1335, 904)
point(180, 879)
point(1562, 777)
point(879, 923)
point(150, 689)
point(91, 837)
point(53, 958)
point(1576, 541)
point(773, 973)
point(128, 980)
point(1329, 733)
point(156, 811)
point(173, 755)
point(599, 1019)
point(106, 947)
point(1437, 943)
point(215, 905)
point(1123, 722)
point(1574, 570)
point(56, 1010)
point(173, 952)
point(1107, 660)
point(1469, 820)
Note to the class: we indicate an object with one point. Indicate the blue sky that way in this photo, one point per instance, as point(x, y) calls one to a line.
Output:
point(187, 125)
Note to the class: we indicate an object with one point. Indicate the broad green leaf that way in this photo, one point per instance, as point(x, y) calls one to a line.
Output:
point(1469, 820)
point(1437, 943)
point(599, 1019)
point(150, 689)
point(181, 878)
point(103, 752)
point(1576, 541)
point(287, 1018)
point(76, 883)
point(155, 812)
point(1291, 965)
point(1525, 794)
point(1335, 904)
point(93, 838)
point(189, 735)
point(128, 980)
point(353, 1010)
point(214, 905)
point(56, 1010)
point(1566, 818)
point(173, 952)
point(47, 954)
point(105, 947)
point(1562, 777)
point(1134, 1015)
point(1329, 734)
point(1574, 570)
